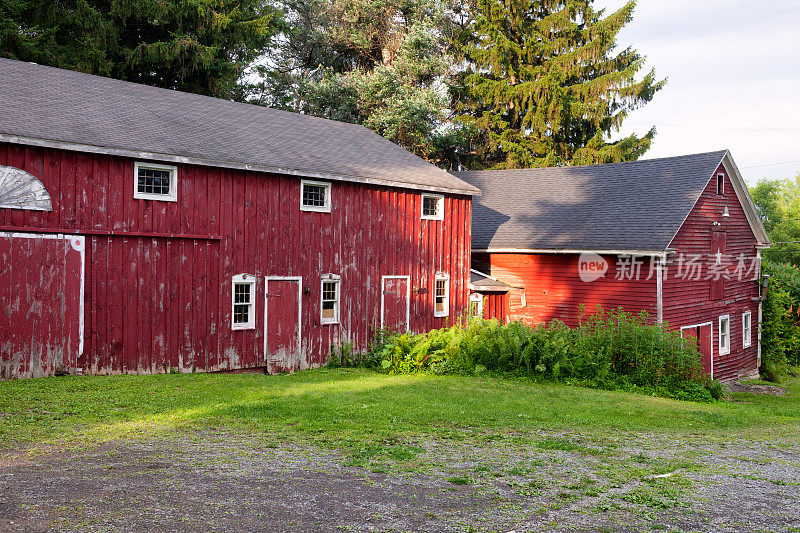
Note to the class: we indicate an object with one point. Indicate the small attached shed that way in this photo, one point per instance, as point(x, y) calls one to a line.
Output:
point(677, 237)
point(488, 296)
point(144, 230)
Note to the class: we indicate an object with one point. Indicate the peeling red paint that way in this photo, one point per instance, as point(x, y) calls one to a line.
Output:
point(158, 292)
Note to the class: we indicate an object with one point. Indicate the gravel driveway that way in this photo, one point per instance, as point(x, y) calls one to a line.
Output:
point(221, 482)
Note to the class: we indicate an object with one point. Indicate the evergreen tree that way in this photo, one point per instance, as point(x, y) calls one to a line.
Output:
point(200, 46)
point(543, 86)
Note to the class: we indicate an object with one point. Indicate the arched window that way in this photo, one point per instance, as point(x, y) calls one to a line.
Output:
point(20, 190)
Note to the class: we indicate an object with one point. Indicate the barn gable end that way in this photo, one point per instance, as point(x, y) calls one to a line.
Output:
point(691, 300)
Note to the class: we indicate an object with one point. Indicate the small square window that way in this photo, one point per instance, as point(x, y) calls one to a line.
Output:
point(442, 296)
point(432, 207)
point(720, 184)
point(315, 196)
point(747, 330)
point(155, 182)
point(329, 301)
point(243, 302)
point(724, 335)
point(476, 305)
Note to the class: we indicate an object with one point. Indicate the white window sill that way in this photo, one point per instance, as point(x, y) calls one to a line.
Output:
point(315, 209)
point(156, 197)
point(243, 327)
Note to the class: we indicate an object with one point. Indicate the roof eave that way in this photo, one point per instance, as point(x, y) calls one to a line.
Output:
point(750, 211)
point(567, 251)
point(191, 160)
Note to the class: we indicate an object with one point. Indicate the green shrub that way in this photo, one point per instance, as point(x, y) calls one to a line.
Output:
point(780, 343)
point(610, 350)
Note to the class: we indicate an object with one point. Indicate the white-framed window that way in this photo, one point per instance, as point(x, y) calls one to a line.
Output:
point(724, 335)
point(476, 305)
point(432, 207)
point(720, 184)
point(315, 196)
point(153, 181)
point(243, 309)
point(329, 300)
point(441, 301)
point(747, 329)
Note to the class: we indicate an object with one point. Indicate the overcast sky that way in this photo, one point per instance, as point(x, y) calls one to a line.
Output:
point(734, 79)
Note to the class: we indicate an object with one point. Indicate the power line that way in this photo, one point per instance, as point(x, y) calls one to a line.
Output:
point(772, 164)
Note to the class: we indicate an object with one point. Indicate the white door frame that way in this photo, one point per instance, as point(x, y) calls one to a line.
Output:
point(78, 243)
point(408, 298)
point(709, 323)
point(299, 280)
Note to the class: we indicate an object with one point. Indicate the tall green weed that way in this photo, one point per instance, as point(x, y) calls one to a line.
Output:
point(612, 350)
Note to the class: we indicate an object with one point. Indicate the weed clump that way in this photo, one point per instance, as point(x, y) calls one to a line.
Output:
point(611, 350)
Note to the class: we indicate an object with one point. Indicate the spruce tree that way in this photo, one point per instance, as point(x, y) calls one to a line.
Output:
point(200, 46)
point(544, 86)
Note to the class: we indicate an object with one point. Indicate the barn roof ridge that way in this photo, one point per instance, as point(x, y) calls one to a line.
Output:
point(52, 107)
point(665, 158)
point(623, 207)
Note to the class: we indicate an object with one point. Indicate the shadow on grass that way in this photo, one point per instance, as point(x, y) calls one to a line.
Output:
point(352, 407)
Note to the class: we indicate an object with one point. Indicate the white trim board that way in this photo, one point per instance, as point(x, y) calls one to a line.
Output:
point(577, 252)
point(299, 280)
point(760, 313)
point(408, 298)
point(201, 161)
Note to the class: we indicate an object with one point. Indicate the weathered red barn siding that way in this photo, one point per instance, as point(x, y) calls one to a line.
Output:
point(40, 303)
point(495, 305)
point(553, 288)
point(688, 302)
point(158, 274)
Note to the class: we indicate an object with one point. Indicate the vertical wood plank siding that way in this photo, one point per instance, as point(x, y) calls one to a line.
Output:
point(494, 306)
point(553, 288)
point(688, 302)
point(155, 302)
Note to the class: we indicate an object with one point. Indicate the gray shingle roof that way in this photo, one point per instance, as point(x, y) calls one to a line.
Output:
point(638, 205)
point(479, 281)
point(100, 114)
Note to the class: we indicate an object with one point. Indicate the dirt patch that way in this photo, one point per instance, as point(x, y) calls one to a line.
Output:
point(541, 482)
point(756, 388)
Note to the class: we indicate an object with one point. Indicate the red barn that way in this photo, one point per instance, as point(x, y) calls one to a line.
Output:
point(144, 230)
point(678, 237)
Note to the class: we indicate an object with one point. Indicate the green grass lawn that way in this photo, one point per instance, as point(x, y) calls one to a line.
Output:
point(343, 407)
